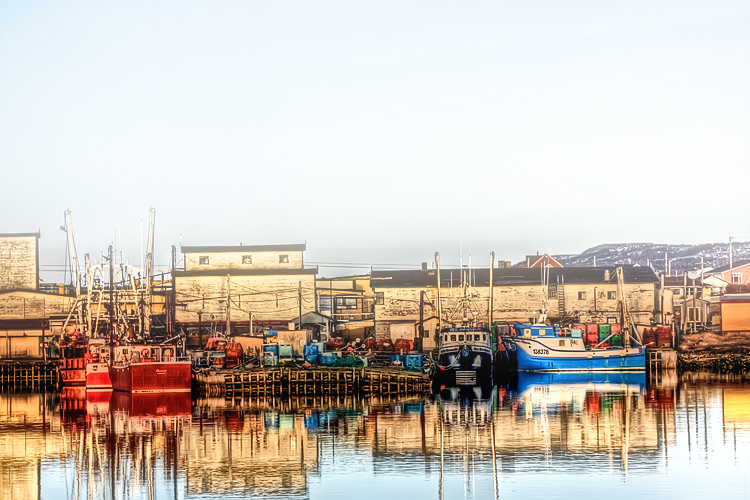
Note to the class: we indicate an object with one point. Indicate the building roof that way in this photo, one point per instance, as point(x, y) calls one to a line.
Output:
point(510, 276)
point(20, 235)
point(735, 265)
point(244, 248)
point(244, 272)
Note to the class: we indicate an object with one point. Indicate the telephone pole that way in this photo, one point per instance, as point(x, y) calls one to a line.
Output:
point(229, 320)
point(299, 300)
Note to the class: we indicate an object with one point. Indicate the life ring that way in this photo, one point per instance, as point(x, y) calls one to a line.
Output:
point(169, 352)
point(145, 353)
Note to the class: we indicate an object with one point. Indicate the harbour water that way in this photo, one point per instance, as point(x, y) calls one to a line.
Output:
point(609, 436)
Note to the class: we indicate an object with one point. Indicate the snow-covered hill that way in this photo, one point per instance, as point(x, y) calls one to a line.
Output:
point(682, 257)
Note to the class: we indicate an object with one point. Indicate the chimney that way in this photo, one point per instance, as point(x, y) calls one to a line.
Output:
point(424, 266)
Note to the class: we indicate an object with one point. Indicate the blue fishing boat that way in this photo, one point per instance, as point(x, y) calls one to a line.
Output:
point(541, 348)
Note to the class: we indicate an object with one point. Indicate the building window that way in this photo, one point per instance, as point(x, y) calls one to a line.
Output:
point(677, 291)
point(346, 303)
point(283, 259)
point(611, 319)
point(581, 295)
point(203, 260)
point(737, 278)
point(379, 298)
point(611, 295)
point(552, 293)
point(693, 314)
point(247, 259)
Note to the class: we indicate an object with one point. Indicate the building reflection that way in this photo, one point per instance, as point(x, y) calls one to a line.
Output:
point(104, 445)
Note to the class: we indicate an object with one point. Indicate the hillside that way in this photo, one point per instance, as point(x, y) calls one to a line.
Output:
point(682, 257)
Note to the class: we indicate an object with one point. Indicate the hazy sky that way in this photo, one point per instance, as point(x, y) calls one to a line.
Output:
point(378, 132)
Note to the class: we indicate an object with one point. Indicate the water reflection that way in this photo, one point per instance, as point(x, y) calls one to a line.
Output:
point(612, 433)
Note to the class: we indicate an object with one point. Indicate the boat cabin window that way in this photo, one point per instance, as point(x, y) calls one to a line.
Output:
point(453, 338)
point(527, 332)
point(562, 343)
point(283, 259)
point(203, 260)
point(484, 336)
point(476, 337)
point(542, 332)
point(460, 338)
point(446, 337)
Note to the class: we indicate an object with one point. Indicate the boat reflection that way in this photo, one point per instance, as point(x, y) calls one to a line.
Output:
point(464, 441)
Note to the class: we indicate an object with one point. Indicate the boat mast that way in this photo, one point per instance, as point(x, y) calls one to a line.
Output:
point(74, 262)
point(492, 290)
point(150, 261)
point(439, 315)
point(111, 305)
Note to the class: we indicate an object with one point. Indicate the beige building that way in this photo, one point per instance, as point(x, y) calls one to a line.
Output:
point(572, 294)
point(19, 261)
point(265, 284)
point(28, 317)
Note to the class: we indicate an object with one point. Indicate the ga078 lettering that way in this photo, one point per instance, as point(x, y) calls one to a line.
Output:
point(541, 351)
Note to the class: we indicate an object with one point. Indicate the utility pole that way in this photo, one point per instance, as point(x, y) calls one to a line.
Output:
point(229, 319)
point(731, 264)
point(299, 300)
point(200, 329)
point(421, 314)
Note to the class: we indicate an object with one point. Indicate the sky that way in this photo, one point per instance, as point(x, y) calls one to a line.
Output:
point(377, 132)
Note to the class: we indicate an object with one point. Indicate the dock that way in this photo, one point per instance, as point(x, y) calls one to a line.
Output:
point(305, 381)
point(28, 375)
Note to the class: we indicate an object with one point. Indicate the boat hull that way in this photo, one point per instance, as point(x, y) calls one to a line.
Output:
point(533, 356)
point(473, 369)
point(97, 376)
point(73, 371)
point(152, 377)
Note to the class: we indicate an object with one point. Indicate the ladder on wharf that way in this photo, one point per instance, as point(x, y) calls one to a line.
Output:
point(293, 381)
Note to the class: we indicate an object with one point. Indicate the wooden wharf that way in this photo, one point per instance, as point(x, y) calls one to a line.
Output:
point(28, 375)
point(293, 381)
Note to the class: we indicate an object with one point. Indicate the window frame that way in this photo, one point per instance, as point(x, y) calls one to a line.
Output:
point(283, 258)
point(247, 259)
point(204, 260)
point(582, 295)
point(738, 277)
point(611, 295)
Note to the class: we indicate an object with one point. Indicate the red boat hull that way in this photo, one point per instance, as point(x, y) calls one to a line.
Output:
point(73, 371)
point(97, 376)
point(171, 376)
point(172, 404)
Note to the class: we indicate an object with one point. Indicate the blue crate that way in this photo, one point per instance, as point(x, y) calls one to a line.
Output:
point(310, 350)
point(321, 346)
point(327, 358)
point(312, 359)
point(274, 348)
point(413, 360)
point(286, 351)
point(396, 357)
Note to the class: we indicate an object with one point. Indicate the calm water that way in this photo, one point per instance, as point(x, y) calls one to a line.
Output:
point(540, 437)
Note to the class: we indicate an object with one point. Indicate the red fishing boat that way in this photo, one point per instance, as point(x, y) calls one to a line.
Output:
point(72, 361)
point(149, 368)
point(97, 368)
